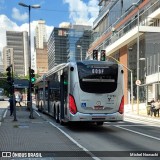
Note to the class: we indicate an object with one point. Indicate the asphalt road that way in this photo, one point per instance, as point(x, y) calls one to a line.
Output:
point(132, 135)
point(128, 140)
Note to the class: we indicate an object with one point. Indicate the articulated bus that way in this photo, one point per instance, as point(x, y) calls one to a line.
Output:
point(88, 91)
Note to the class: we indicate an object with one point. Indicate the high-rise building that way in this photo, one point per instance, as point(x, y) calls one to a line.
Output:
point(67, 44)
point(129, 30)
point(18, 41)
point(42, 60)
point(7, 57)
point(41, 57)
point(40, 34)
point(1, 63)
point(57, 47)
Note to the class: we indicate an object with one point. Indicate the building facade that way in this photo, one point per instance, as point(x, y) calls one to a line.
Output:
point(42, 60)
point(57, 47)
point(40, 34)
point(129, 31)
point(1, 63)
point(7, 57)
point(18, 42)
point(41, 56)
point(67, 44)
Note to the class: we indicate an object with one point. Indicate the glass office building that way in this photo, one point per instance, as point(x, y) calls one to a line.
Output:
point(68, 44)
point(129, 31)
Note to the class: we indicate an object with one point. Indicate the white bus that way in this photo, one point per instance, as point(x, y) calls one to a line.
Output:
point(90, 91)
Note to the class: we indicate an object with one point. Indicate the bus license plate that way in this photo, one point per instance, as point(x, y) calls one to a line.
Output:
point(98, 107)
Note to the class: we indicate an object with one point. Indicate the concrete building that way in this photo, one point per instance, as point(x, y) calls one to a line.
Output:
point(42, 60)
point(7, 57)
point(18, 41)
point(129, 30)
point(68, 43)
point(41, 57)
point(1, 63)
point(40, 34)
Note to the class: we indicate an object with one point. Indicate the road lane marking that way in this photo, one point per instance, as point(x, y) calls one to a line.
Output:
point(5, 113)
point(75, 142)
point(37, 113)
point(142, 134)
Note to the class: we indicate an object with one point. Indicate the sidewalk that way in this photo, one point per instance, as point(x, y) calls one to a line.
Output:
point(132, 113)
point(32, 135)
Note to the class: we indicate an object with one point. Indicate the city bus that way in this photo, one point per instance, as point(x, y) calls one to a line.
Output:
point(82, 91)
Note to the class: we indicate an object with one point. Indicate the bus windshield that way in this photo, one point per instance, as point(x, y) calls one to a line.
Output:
point(97, 78)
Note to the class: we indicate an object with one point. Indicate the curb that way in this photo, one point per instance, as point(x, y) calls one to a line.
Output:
point(141, 117)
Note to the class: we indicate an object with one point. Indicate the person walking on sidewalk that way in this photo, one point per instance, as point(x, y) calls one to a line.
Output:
point(156, 107)
point(18, 99)
point(11, 105)
point(152, 106)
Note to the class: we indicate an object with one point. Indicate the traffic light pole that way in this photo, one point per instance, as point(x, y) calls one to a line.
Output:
point(10, 80)
point(14, 104)
point(30, 95)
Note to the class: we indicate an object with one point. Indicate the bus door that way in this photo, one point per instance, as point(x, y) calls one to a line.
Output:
point(63, 92)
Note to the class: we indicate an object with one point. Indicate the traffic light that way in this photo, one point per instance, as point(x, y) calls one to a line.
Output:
point(9, 76)
point(95, 54)
point(32, 76)
point(103, 55)
point(32, 79)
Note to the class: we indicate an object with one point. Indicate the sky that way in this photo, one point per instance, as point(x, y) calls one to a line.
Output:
point(14, 17)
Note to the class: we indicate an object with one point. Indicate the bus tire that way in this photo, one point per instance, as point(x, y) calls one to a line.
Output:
point(61, 122)
point(99, 123)
point(57, 116)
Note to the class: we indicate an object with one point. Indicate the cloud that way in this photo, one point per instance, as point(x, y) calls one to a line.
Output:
point(82, 13)
point(18, 16)
point(7, 25)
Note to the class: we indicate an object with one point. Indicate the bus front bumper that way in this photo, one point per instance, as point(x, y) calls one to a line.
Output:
point(97, 117)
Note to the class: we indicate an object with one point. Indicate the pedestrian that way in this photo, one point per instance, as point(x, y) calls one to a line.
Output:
point(11, 105)
point(18, 99)
point(152, 106)
point(156, 108)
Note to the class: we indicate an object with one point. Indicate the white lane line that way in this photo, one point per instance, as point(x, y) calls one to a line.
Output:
point(142, 134)
point(38, 113)
point(75, 142)
point(5, 113)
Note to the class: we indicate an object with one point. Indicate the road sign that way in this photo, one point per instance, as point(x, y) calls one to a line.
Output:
point(138, 82)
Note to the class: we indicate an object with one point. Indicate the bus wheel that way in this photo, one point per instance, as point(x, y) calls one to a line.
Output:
point(99, 123)
point(61, 120)
point(57, 116)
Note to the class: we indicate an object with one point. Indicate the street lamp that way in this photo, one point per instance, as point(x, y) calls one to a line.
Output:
point(30, 95)
point(78, 46)
point(136, 5)
point(131, 79)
